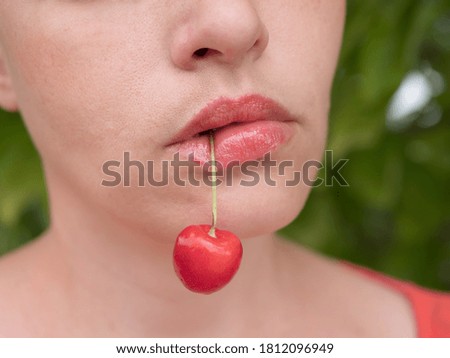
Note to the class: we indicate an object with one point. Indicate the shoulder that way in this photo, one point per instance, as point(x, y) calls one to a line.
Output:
point(431, 307)
point(371, 308)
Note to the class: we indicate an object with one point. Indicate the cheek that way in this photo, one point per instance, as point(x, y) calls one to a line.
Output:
point(80, 96)
point(311, 45)
point(67, 84)
point(81, 85)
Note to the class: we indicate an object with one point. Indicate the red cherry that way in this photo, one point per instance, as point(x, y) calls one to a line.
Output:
point(205, 263)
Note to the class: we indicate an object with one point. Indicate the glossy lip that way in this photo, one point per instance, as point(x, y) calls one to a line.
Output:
point(245, 129)
point(224, 111)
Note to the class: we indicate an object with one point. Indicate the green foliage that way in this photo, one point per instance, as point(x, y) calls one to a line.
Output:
point(395, 215)
point(23, 205)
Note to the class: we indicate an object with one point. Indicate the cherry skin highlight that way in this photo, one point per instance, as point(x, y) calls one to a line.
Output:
point(204, 263)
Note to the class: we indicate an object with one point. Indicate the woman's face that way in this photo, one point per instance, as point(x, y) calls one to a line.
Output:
point(96, 78)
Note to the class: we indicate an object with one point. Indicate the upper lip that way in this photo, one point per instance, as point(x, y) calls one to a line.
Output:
point(224, 111)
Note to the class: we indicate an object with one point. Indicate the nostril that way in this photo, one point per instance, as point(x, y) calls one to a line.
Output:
point(201, 52)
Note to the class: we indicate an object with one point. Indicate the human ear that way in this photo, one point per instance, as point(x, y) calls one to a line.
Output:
point(8, 98)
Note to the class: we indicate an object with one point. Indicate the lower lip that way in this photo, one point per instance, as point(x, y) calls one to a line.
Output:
point(238, 142)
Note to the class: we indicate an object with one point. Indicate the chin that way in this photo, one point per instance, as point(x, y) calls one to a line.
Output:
point(260, 211)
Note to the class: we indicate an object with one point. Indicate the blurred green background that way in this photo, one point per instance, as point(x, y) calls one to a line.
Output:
point(390, 117)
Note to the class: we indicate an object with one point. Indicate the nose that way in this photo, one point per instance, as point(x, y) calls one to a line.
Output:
point(228, 32)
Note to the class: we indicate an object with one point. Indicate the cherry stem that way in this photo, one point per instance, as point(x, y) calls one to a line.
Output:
point(212, 231)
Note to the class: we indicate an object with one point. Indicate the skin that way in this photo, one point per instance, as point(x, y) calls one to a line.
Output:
point(93, 79)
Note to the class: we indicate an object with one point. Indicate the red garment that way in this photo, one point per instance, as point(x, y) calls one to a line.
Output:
point(431, 307)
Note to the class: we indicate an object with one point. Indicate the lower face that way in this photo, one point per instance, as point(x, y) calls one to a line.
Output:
point(95, 80)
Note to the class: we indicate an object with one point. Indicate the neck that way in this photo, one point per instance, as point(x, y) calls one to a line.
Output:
point(122, 277)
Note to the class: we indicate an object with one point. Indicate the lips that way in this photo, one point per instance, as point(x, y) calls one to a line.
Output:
point(244, 129)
